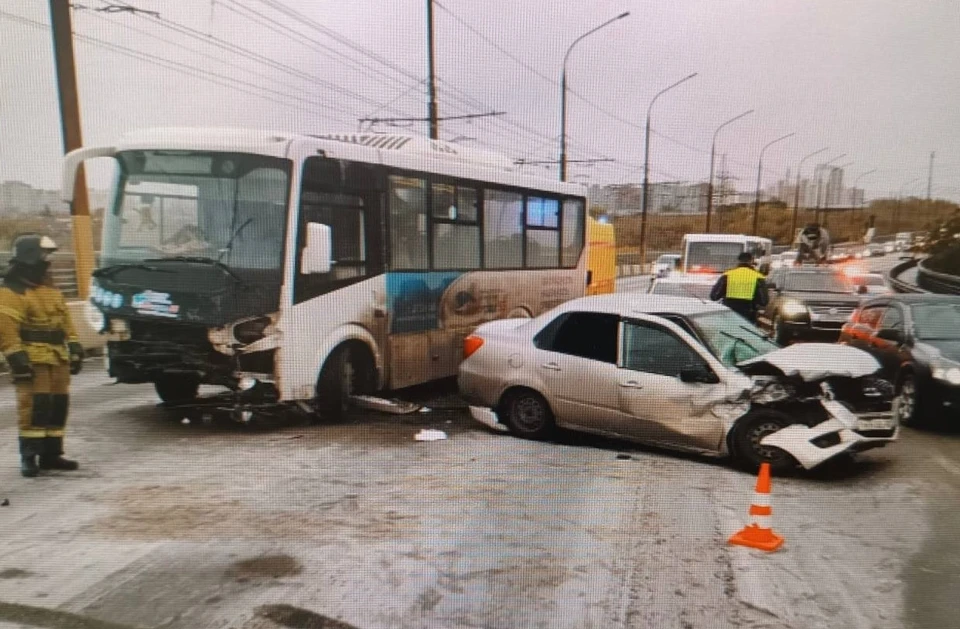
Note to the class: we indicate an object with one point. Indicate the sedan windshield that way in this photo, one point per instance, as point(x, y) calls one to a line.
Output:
point(936, 321)
point(817, 283)
point(222, 206)
point(730, 337)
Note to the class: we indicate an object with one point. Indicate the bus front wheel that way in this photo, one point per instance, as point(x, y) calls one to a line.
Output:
point(349, 370)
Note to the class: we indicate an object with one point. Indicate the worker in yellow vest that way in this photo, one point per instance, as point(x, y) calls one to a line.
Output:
point(742, 289)
point(41, 348)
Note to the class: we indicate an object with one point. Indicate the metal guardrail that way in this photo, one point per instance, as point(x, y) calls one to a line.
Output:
point(935, 282)
point(899, 285)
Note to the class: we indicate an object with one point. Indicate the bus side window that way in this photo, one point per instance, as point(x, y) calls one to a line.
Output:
point(502, 229)
point(571, 233)
point(543, 233)
point(456, 235)
point(408, 223)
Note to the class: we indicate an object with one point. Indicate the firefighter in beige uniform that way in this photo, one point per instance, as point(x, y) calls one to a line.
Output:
point(41, 347)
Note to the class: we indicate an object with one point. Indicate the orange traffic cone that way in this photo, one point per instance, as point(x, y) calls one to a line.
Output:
point(759, 534)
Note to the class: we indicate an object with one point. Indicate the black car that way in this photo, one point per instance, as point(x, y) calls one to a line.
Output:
point(916, 339)
point(808, 303)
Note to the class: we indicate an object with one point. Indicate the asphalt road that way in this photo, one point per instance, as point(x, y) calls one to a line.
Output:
point(356, 525)
point(188, 526)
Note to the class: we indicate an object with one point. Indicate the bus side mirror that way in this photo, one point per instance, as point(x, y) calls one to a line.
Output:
point(318, 253)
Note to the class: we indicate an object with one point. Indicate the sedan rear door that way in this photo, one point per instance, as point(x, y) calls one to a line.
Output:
point(576, 360)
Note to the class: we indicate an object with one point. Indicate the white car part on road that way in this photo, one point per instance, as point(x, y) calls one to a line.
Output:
point(487, 417)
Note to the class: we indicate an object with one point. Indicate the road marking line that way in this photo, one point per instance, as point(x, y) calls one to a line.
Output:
point(947, 464)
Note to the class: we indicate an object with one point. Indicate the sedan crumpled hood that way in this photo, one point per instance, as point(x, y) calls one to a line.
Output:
point(812, 361)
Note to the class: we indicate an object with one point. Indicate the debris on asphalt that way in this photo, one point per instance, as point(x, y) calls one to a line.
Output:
point(383, 405)
point(624, 457)
point(5, 503)
point(185, 421)
point(430, 435)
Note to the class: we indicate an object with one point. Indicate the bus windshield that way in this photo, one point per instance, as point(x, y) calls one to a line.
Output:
point(715, 257)
point(223, 206)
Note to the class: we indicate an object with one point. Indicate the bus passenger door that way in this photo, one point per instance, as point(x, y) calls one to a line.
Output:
point(347, 197)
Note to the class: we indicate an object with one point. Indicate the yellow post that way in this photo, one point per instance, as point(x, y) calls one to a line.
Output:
point(70, 122)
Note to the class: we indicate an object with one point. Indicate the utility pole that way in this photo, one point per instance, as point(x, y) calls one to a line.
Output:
point(930, 174)
point(432, 108)
point(70, 125)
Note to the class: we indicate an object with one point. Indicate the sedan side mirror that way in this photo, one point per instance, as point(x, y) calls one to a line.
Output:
point(694, 373)
point(862, 289)
point(890, 334)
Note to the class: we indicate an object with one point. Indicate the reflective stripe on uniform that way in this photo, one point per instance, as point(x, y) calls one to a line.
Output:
point(13, 314)
point(742, 283)
point(33, 433)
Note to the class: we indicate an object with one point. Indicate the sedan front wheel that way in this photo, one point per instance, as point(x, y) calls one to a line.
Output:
point(750, 431)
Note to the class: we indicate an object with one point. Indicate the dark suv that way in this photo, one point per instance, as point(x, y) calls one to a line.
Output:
point(810, 303)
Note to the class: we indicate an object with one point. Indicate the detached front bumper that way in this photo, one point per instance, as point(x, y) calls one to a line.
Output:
point(843, 432)
point(488, 417)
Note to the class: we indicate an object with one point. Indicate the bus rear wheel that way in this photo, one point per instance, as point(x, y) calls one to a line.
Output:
point(177, 389)
point(349, 370)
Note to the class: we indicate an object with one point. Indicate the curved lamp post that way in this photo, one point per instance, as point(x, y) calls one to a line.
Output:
point(756, 204)
point(646, 169)
point(713, 152)
point(563, 93)
point(796, 192)
point(896, 211)
point(853, 190)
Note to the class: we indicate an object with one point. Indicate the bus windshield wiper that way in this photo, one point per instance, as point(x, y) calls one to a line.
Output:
point(109, 271)
point(233, 237)
point(204, 260)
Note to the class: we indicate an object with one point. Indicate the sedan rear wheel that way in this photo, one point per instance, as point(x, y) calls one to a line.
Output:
point(528, 415)
point(750, 431)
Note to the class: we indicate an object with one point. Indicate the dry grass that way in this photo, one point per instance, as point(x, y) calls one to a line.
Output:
point(665, 231)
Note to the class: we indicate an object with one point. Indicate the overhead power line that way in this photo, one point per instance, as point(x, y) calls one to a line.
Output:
point(206, 75)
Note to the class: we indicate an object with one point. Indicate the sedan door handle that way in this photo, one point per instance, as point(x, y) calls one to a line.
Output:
point(551, 366)
point(632, 384)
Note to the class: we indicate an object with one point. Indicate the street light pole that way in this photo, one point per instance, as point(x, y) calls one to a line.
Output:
point(896, 213)
point(826, 196)
point(713, 151)
point(816, 215)
point(644, 193)
point(563, 93)
point(796, 192)
point(853, 189)
point(756, 204)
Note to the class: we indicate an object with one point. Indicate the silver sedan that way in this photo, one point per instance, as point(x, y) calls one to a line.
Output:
point(676, 372)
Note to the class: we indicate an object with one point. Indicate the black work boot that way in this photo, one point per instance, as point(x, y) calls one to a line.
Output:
point(29, 449)
point(28, 466)
point(52, 457)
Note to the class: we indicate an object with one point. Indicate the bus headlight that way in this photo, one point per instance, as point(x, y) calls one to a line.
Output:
point(793, 308)
point(94, 317)
point(119, 326)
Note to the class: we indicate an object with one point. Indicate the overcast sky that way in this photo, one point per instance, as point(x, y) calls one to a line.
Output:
point(878, 80)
